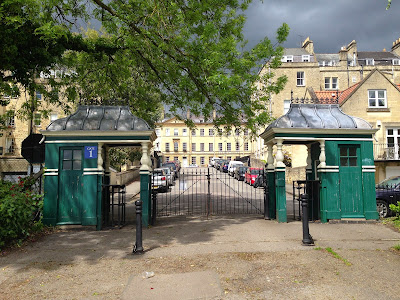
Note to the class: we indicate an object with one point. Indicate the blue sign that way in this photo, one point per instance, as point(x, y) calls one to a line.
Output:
point(90, 152)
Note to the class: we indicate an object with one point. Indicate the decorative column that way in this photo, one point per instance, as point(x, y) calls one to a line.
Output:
point(145, 181)
point(309, 164)
point(322, 156)
point(280, 184)
point(271, 181)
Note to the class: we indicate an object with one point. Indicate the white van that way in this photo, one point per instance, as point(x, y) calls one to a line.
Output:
point(233, 165)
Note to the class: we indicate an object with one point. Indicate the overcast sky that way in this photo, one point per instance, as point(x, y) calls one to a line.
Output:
point(329, 24)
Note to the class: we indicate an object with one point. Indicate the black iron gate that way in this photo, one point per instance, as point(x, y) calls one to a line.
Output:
point(312, 189)
point(207, 191)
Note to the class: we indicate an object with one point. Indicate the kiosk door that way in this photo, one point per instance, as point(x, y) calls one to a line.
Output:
point(70, 186)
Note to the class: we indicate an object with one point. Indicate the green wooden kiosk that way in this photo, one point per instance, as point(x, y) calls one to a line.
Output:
point(77, 162)
point(340, 155)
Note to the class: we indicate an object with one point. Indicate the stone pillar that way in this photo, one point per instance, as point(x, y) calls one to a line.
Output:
point(271, 181)
point(280, 184)
point(145, 184)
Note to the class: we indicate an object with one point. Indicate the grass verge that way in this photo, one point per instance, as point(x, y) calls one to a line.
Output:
point(334, 254)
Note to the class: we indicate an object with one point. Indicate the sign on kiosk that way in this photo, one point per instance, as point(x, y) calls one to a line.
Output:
point(90, 152)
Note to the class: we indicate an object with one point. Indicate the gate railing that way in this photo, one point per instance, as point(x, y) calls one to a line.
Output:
point(114, 201)
point(207, 191)
point(312, 189)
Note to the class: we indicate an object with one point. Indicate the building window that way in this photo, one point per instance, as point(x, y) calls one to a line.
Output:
point(246, 132)
point(10, 145)
point(369, 62)
point(220, 146)
point(376, 98)
point(167, 147)
point(228, 147)
point(246, 146)
point(201, 132)
point(237, 131)
point(193, 147)
point(210, 132)
point(209, 160)
point(300, 79)
point(193, 132)
point(305, 58)
point(38, 96)
point(331, 83)
point(176, 132)
point(229, 158)
point(348, 156)
point(175, 146)
point(1, 151)
point(237, 146)
point(184, 147)
point(166, 131)
point(202, 160)
point(167, 158)
point(396, 61)
point(37, 119)
point(176, 158)
point(287, 58)
point(201, 146)
point(219, 131)
point(211, 147)
point(193, 160)
point(286, 106)
point(184, 132)
point(393, 141)
point(10, 122)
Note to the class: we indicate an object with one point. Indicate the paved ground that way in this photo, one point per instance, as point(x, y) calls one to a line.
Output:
point(241, 257)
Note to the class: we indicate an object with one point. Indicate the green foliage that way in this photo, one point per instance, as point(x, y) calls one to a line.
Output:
point(120, 156)
point(334, 254)
point(396, 209)
point(397, 247)
point(18, 208)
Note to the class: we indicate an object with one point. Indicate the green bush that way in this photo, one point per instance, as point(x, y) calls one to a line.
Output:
point(19, 208)
point(396, 209)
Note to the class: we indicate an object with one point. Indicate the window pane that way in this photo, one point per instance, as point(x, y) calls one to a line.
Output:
point(390, 141)
point(67, 154)
point(343, 161)
point(352, 151)
point(381, 102)
point(77, 164)
point(77, 154)
point(353, 161)
point(371, 94)
point(343, 151)
point(390, 131)
point(381, 94)
point(372, 102)
point(67, 164)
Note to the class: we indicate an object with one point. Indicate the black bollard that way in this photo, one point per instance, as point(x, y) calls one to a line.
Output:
point(138, 248)
point(307, 238)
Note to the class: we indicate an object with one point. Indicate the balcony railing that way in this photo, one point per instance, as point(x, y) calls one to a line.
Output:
point(386, 152)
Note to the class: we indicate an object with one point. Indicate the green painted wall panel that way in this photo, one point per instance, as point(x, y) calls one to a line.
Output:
point(280, 194)
point(272, 197)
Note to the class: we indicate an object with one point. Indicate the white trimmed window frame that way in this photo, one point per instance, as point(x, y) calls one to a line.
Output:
point(300, 80)
point(375, 97)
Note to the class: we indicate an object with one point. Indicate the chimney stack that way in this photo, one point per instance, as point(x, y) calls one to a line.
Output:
point(396, 47)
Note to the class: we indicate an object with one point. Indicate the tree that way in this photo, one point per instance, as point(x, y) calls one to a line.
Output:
point(186, 54)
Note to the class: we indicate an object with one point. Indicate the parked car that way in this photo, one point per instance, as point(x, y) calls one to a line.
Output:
point(170, 175)
point(173, 165)
point(213, 161)
point(233, 165)
point(239, 172)
point(251, 175)
point(387, 192)
point(219, 163)
point(159, 180)
point(224, 167)
point(260, 180)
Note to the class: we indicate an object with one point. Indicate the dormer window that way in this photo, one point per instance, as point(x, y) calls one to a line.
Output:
point(396, 62)
point(369, 62)
point(305, 58)
point(287, 58)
